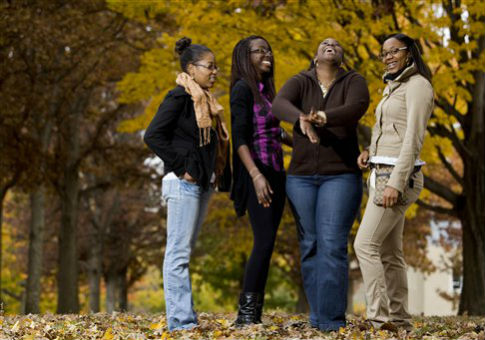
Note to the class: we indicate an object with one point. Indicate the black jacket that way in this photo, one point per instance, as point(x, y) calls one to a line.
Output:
point(242, 130)
point(174, 137)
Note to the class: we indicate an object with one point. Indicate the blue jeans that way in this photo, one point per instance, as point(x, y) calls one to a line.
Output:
point(186, 208)
point(325, 207)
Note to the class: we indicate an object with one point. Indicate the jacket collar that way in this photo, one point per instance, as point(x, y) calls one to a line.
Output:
point(408, 72)
point(312, 74)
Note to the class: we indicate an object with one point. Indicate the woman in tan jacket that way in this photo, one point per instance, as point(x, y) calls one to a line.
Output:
point(395, 181)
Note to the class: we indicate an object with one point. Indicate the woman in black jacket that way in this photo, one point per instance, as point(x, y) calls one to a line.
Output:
point(194, 155)
point(259, 176)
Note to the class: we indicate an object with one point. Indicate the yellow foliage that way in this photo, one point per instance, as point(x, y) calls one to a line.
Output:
point(294, 30)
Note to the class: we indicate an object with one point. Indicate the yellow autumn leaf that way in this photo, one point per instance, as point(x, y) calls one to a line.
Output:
point(223, 322)
point(108, 335)
point(216, 334)
point(165, 336)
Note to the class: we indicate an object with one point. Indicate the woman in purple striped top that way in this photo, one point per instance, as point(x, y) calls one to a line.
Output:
point(259, 175)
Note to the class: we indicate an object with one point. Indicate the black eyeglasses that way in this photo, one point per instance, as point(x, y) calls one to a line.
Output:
point(262, 51)
point(210, 68)
point(392, 53)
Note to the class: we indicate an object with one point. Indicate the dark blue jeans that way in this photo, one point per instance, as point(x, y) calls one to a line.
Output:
point(325, 207)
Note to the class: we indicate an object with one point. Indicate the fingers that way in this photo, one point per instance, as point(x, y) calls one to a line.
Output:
point(317, 120)
point(263, 191)
point(266, 195)
point(362, 162)
point(312, 135)
point(389, 200)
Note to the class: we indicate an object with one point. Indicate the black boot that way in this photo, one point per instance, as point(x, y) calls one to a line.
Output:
point(259, 308)
point(248, 309)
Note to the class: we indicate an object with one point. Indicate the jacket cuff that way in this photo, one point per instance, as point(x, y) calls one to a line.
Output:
point(396, 184)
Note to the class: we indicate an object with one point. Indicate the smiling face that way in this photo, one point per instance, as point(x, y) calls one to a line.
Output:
point(329, 51)
point(261, 56)
point(394, 54)
point(204, 71)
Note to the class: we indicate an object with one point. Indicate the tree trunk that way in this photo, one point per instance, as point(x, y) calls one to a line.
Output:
point(95, 269)
point(472, 211)
point(2, 197)
point(472, 299)
point(67, 293)
point(302, 304)
point(123, 290)
point(111, 291)
point(67, 284)
point(36, 243)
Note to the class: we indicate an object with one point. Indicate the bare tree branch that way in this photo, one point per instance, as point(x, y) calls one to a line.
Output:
point(448, 166)
point(441, 190)
point(436, 208)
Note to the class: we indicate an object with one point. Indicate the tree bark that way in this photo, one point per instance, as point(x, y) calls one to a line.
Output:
point(67, 293)
point(472, 299)
point(111, 291)
point(95, 261)
point(302, 304)
point(2, 197)
point(472, 209)
point(36, 242)
point(123, 290)
point(95, 269)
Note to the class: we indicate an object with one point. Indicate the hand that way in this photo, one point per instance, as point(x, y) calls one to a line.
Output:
point(317, 118)
point(363, 160)
point(188, 178)
point(308, 130)
point(263, 190)
point(389, 196)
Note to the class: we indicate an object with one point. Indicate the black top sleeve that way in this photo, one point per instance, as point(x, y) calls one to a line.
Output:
point(241, 100)
point(160, 132)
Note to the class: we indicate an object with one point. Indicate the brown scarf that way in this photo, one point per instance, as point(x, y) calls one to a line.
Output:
point(206, 107)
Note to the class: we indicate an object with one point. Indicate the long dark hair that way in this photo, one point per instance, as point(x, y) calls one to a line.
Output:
point(414, 50)
point(242, 68)
point(189, 53)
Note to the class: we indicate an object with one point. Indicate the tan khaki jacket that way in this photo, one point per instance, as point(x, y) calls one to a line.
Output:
point(401, 119)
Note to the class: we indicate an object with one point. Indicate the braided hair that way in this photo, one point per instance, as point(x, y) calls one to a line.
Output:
point(242, 68)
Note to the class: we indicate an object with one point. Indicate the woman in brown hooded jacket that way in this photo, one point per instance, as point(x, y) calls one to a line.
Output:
point(324, 184)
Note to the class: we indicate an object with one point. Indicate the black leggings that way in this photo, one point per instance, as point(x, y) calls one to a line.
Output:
point(264, 222)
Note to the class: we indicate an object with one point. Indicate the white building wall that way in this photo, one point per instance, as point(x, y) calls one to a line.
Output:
point(424, 298)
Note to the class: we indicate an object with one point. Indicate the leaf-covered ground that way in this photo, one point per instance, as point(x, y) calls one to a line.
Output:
point(219, 326)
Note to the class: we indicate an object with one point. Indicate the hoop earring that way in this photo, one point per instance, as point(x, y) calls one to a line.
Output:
point(315, 62)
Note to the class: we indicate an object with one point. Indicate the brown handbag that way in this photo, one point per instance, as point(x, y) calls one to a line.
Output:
point(383, 173)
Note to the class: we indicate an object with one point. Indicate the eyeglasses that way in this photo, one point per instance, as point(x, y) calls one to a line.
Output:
point(383, 55)
point(262, 51)
point(211, 68)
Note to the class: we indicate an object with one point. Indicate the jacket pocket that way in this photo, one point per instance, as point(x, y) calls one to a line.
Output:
point(396, 130)
point(303, 150)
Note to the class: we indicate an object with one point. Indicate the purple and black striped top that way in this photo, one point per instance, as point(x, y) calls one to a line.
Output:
point(267, 135)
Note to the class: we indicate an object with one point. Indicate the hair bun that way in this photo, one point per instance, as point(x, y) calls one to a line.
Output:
point(182, 44)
